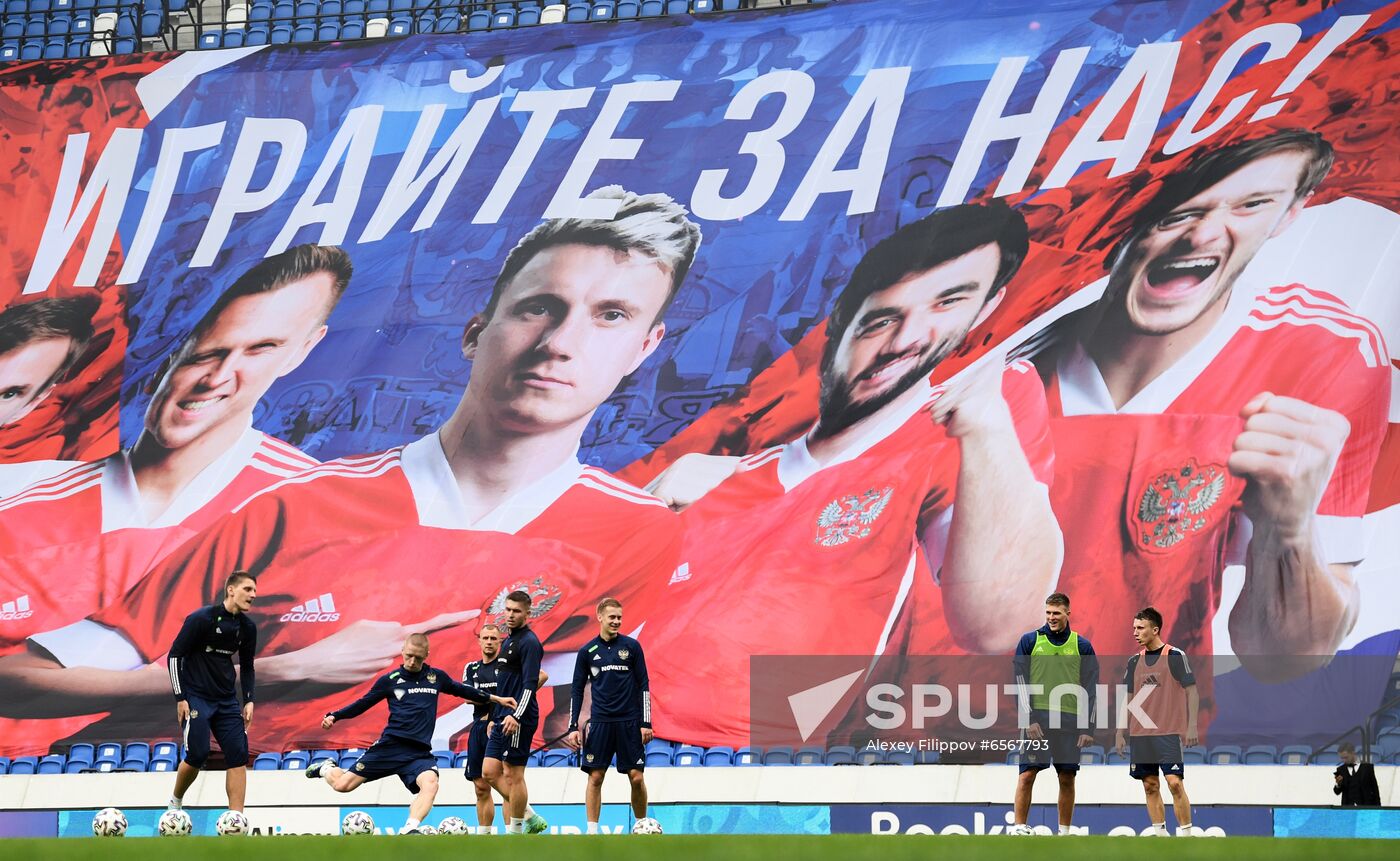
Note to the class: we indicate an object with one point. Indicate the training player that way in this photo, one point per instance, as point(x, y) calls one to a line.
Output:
point(909, 534)
point(405, 747)
point(512, 728)
point(493, 502)
point(1204, 418)
point(1056, 727)
point(202, 676)
point(1171, 706)
point(482, 674)
point(619, 719)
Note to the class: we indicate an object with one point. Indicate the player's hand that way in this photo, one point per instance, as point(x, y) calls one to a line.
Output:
point(1286, 453)
point(509, 725)
point(1034, 732)
point(182, 711)
point(693, 475)
point(1085, 740)
point(647, 735)
point(1193, 737)
point(247, 715)
point(327, 722)
point(574, 740)
point(1339, 779)
point(508, 702)
point(971, 402)
point(1120, 744)
point(355, 652)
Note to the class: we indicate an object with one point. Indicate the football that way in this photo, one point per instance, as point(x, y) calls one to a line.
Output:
point(453, 825)
point(109, 822)
point(231, 822)
point(646, 825)
point(357, 822)
point(174, 823)
point(425, 828)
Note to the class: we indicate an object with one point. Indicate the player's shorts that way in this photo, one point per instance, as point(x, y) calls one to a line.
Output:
point(622, 739)
point(224, 720)
point(476, 749)
point(514, 748)
point(1060, 747)
point(393, 756)
point(1154, 754)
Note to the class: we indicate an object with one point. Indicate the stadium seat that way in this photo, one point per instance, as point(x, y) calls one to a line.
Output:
point(139, 762)
point(163, 762)
point(1195, 755)
point(448, 22)
point(1261, 754)
point(59, 25)
point(1386, 720)
point(24, 765)
point(841, 755)
point(401, 26)
point(527, 16)
point(81, 752)
point(347, 760)
point(12, 30)
point(4, 765)
point(808, 756)
point(75, 767)
point(1225, 754)
point(867, 756)
point(51, 764)
point(267, 762)
point(658, 758)
point(478, 19)
point(926, 757)
point(653, 8)
point(899, 757)
point(352, 30)
point(1115, 758)
point(677, 7)
point(137, 748)
point(689, 755)
point(9, 51)
point(328, 31)
point(781, 755)
point(34, 28)
point(601, 10)
point(108, 750)
point(295, 760)
point(354, 7)
point(151, 24)
point(211, 39)
point(627, 9)
point(303, 32)
point(56, 48)
point(31, 51)
point(1294, 754)
point(460, 760)
point(1091, 755)
point(1388, 743)
point(234, 38)
point(260, 10)
point(718, 756)
point(577, 11)
point(443, 757)
point(503, 19)
point(376, 28)
point(703, 6)
point(257, 34)
point(283, 10)
point(561, 756)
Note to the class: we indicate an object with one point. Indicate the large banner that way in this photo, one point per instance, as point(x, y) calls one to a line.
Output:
point(851, 329)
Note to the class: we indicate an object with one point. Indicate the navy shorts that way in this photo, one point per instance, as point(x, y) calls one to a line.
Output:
point(514, 748)
point(391, 756)
point(605, 740)
point(1153, 754)
point(476, 749)
point(224, 720)
point(1059, 747)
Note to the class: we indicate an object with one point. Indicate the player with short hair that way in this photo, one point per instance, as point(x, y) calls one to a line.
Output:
point(1047, 658)
point(202, 677)
point(40, 341)
point(619, 721)
point(493, 502)
point(1171, 707)
point(405, 747)
point(513, 728)
point(1202, 418)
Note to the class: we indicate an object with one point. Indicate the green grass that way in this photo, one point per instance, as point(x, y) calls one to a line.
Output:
point(687, 847)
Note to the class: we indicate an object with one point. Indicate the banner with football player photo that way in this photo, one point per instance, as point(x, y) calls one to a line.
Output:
point(823, 330)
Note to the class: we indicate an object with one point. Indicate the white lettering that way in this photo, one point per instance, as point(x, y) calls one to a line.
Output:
point(235, 198)
point(176, 144)
point(544, 107)
point(354, 143)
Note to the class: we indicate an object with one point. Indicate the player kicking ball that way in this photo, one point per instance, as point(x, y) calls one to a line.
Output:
point(619, 722)
point(405, 746)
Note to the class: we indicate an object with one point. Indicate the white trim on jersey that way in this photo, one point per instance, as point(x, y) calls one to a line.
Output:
point(67, 483)
point(1295, 313)
point(174, 666)
point(605, 483)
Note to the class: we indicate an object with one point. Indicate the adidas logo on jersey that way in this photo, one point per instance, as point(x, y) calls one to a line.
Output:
point(320, 609)
point(13, 611)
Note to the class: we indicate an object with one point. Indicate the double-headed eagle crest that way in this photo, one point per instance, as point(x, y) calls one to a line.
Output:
point(1174, 504)
point(848, 518)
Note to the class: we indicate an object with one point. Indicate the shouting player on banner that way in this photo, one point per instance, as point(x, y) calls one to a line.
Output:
point(1203, 418)
point(493, 502)
point(202, 676)
point(405, 747)
point(914, 519)
point(619, 722)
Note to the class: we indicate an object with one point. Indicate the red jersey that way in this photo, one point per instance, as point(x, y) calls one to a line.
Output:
point(1150, 514)
point(387, 538)
point(830, 555)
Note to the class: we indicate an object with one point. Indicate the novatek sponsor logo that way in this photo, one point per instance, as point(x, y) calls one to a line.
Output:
point(13, 611)
point(320, 609)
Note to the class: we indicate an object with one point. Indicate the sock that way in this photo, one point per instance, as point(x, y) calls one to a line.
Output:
point(1066, 829)
point(485, 829)
point(412, 824)
point(176, 803)
point(1184, 830)
point(530, 812)
point(1159, 828)
point(515, 825)
point(592, 828)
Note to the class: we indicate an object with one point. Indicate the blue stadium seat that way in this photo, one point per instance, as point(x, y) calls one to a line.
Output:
point(424, 23)
point(653, 8)
point(478, 19)
point(777, 756)
point(82, 26)
point(1225, 754)
point(503, 19)
point(448, 22)
point(577, 11)
point(151, 24)
point(1116, 758)
point(561, 756)
point(719, 756)
point(257, 34)
point(12, 29)
point(24, 765)
point(9, 51)
point(16, 7)
point(443, 757)
point(601, 10)
point(34, 28)
point(284, 10)
point(460, 760)
point(260, 10)
point(536, 759)
point(677, 7)
point(139, 762)
point(689, 755)
point(1195, 755)
point(1388, 719)
point(124, 45)
point(307, 9)
point(808, 756)
point(658, 758)
point(1261, 754)
point(163, 762)
point(4, 760)
point(1294, 754)
point(899, 757)
point(628, 9)
point(59, 25)
point(868, 756)
point(75, 767)
point(1388, 742)
point(31, 51)
point(746, 756)
point(84, 4)
point(38, 5)
point(108, 750)
point(81, 752)
point(295, 760)
point(353, 7)
point(400, 5)
point(527, 16)
point(211, 39)
point(137, 748)
point(841, 755)
point(303, 32)
point(377, 6)
point(51, 764)
point(280, 34)
point(165, 748)
point(401, 27)
point(328, 31)
point(1091, 755)
point(703, 6)
point(329, 8)
point(661, 744)
point(267, 762)
point(352, 30)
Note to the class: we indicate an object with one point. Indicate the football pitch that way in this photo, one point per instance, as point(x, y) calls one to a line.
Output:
point(687, 847)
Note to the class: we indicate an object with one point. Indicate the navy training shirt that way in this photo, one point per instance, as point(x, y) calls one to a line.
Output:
point(621, 689)
point(482, 675)
point(413, 702)
point(518, 675)
point(201, 658)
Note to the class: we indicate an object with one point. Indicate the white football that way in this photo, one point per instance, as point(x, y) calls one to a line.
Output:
point(109, 822)
point(646, 825)
point(232, 822)
point(453, 825)
point(357, 822)
point(425, 828)
point(174, 823)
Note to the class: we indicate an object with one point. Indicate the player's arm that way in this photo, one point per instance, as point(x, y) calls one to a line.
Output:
point(38, 686)
point(1003, 544)
point(475, 694)
point(1089, 682)
point(1021, 672)
point(573, 738)
point(185, 642)
point(246, 672)
point(643, 681)
point(693, 475)
point(377, 692)
point(531, 655)
point(1120, 734)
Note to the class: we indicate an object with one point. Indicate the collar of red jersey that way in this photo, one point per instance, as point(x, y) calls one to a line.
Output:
point(121, 498)
point(795, 461)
